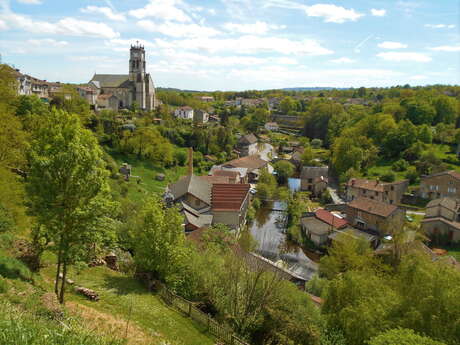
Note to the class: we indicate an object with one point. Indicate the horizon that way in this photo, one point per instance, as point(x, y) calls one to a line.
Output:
point(237, 45)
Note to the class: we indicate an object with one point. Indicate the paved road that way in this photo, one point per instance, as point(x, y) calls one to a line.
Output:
point(418, 213)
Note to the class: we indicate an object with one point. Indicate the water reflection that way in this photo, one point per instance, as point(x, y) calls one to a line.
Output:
point(269, 230)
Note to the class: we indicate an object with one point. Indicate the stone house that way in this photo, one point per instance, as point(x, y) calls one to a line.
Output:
point(247, 145)
point(440, 185)
point(253, 165)
point(271, 126)
point(200, 116)
point(368, 214)
point(390, 193)
point(318, 225)
point(314, 179)
point(357, 234)
point(185, 113)
point(107, 101)
point(205, 201)
point(442, 220)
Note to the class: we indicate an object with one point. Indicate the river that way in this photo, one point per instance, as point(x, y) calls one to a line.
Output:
point(269, 230)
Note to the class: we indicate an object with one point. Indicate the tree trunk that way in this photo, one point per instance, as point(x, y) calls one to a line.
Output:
point(58, 270)
point(64, 276)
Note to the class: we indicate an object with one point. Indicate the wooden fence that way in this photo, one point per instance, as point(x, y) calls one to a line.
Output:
point(223, 333)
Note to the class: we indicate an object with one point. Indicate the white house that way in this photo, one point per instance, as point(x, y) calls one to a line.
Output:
point(271, 126)
point(184, 113)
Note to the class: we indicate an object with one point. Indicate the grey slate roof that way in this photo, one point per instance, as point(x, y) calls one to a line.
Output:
point(314, 172)
point(315, 226)
point(448, 203)
point(194, 185)
point(111, 80)
point(247, 139)
point(352, 232)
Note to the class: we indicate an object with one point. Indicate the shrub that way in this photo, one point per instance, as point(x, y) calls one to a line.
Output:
point(14, 269)
point(412, 175)
point(3, 285)
point(388, 177)
point(400, 165)
point(316, 143)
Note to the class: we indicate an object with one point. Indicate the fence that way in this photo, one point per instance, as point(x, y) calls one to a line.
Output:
point(221, 332)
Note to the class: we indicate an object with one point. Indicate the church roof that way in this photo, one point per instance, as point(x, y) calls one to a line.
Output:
point(111, 80)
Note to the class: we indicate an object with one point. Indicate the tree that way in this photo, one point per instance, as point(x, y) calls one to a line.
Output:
point(402, 336)
point(425, 134)
point(284, 170)
point(419, 111)
point(308, 156)
point(159, 243)
point(68, 190)
point(446, 109)
point(287, 105)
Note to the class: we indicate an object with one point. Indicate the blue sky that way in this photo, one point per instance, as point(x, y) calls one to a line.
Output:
point(237, 44)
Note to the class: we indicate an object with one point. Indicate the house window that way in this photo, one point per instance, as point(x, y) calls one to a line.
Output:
point(376, 193)
point(372, 197)
point(310, 180)
point(364, 191)
point(392, 187)
point(452, 190)
point(391, 201)
point(434, 187)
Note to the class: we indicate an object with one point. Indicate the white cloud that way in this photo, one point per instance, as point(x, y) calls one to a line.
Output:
point(392, 45)
point(378, 13)
point(106, 11)
point(418, 77)
point(342, 60)
point(332, 13)
point(30, 2)
point(440, 26)
point(406, 56)
point(47, 42)
point(178, 29)
point(257, 28)
point(454, 48)
point(162, 9)
point(3, 25)
point(248, 44)
point(66, 26)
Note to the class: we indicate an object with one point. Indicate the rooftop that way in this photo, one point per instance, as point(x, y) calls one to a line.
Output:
point(194, 185)
point(372, 206)
point(250, 162)
point(229, 197)
point(313, 172)
point(330, 218)
point(247, 139)
point(373, 185)
point(452, 173)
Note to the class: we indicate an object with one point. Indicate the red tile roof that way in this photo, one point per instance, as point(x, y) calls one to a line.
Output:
point(228, 197)
point(330, 218)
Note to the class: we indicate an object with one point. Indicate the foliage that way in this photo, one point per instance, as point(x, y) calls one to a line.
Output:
point(401, 336)
point(68, 190)
point(388, 177)
point(284, 170)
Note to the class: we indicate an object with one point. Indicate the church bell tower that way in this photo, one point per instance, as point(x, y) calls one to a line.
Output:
point(137, 74)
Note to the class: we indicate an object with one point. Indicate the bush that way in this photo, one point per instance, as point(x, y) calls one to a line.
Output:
point(402, 336)
point(316, 143)
point(412, 175)
point(400, 165)
point(388, 177)
point(14, 269)
point(3, 285)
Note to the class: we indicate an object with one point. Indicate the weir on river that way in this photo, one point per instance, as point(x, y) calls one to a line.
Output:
point(269, 230)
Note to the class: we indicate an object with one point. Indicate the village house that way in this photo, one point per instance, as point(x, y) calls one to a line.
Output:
point(350, 232)
point(200, 117)
point(440, 185)
point(271, 126)
point(390, 193)
point(206, 99)
point(318, 225)
point(234, 175)
point(254, 165)
point(185, 113)
point(314, 179)
point(367, 214)
point(442, 220)
point(247, 145)
point(107, 101)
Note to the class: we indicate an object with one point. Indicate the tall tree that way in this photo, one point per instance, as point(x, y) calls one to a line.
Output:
point(68, 190)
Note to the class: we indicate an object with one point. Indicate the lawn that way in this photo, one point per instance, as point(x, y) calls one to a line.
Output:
point(124, 301)
point(453, 250)
point(138, 188)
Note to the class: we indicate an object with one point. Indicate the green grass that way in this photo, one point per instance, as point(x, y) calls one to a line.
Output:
point(453, 250)
point(123, 298)
point(147, 172)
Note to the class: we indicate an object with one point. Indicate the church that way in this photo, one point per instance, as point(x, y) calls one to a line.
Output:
point(121, 91)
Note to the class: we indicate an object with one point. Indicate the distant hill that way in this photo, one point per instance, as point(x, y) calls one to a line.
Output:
point(318, 88)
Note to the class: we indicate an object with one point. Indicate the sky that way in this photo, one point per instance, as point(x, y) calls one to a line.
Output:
point(237, 44)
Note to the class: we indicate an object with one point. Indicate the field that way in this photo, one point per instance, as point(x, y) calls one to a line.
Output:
point(145, 183)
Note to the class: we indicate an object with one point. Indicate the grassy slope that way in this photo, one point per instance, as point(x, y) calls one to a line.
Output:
point(123, 298)
point(443, 152)
point(147, 172)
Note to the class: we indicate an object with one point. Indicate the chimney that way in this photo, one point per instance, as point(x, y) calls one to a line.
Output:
point(190, 161)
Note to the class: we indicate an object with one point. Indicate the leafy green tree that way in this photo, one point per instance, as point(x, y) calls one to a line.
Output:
point(159, 243)
point(419, 111)
point(446, 109)
point(425, 134)
point(402, 336)
point(284, 170)
point(68, 190)
point(308, 156)
point(287, 105)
